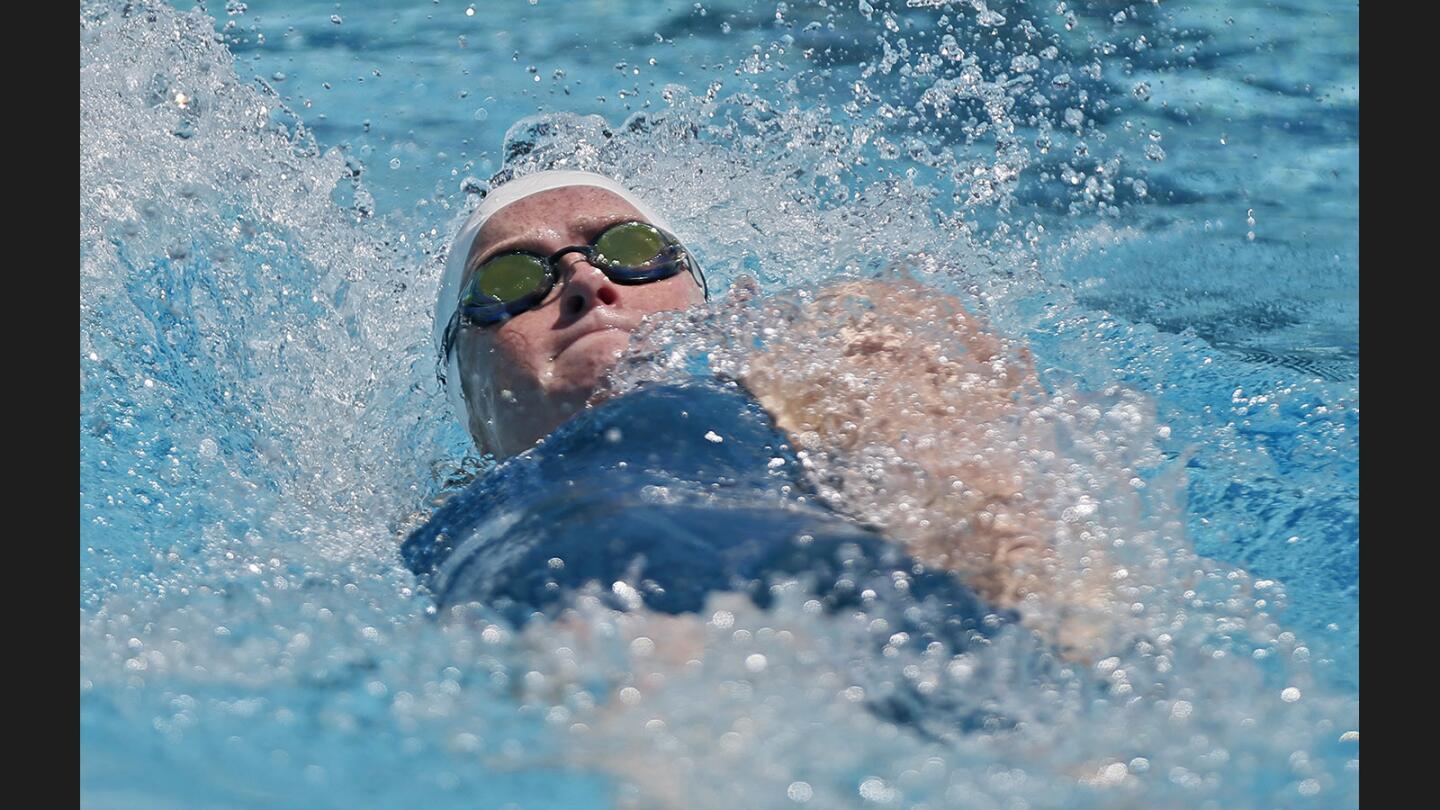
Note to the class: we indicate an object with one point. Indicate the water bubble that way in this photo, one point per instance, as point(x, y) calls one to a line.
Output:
point(336, 19)
point(989, 19)
point(799, 792)
point(1141, 91)
point(875, 790)
point(1290, 694)
point(1024, 63)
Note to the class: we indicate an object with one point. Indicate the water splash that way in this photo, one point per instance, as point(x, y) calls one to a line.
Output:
point(260, 423)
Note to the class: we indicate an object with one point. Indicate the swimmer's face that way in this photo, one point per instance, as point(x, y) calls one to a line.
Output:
point(522, 378)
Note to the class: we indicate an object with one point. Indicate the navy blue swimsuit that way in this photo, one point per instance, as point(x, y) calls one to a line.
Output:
point(678, 491)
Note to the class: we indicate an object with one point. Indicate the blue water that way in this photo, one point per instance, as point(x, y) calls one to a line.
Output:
point(1161, 201)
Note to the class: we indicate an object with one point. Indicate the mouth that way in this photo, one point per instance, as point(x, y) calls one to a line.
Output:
point(584, 336)
point(599, 322)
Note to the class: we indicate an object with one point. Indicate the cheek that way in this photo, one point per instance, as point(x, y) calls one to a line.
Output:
point(511, 355)
point(677, 292)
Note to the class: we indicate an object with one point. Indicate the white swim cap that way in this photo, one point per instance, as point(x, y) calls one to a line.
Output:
point(499, 197)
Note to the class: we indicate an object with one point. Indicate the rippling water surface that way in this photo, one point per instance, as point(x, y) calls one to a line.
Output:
point(1159, 199)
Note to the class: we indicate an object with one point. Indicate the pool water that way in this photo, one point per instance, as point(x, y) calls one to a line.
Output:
point(1159, 199)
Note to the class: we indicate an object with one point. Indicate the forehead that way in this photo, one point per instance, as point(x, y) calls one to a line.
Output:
point(554, 213)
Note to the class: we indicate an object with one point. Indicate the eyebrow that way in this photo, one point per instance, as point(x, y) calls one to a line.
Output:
point(591, 226)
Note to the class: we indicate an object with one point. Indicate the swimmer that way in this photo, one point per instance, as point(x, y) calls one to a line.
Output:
point(681, 497)
point(554, 270)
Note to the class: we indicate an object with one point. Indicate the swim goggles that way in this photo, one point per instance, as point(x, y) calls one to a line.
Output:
point(511, 283)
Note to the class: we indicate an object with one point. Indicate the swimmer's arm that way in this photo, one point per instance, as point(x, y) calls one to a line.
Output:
point(923, 412)
point(879, 363)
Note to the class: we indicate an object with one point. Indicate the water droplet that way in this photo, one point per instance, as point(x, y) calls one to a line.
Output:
point(990, 19)
point(1024, 63)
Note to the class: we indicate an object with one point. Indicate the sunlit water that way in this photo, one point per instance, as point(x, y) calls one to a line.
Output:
point(1159, 201)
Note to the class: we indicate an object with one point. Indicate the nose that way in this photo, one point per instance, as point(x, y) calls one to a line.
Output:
point(585, 288)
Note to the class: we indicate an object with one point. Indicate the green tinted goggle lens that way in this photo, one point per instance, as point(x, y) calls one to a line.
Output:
point(511, 283)
point(510, 278)
point(630, 244)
